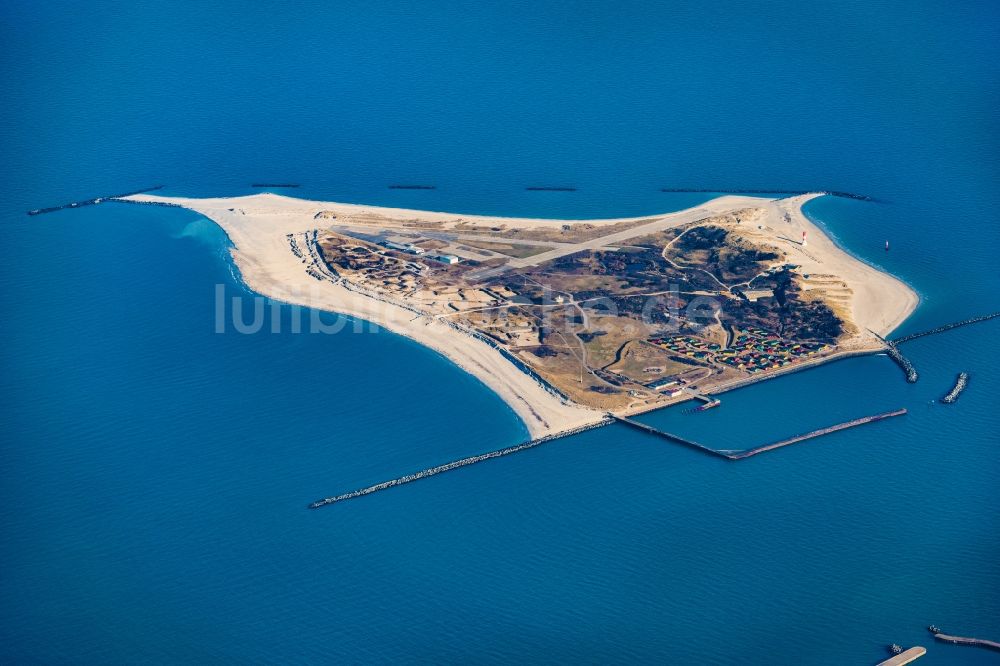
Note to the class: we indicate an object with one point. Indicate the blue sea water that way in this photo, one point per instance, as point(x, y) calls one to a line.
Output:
point(155, 474)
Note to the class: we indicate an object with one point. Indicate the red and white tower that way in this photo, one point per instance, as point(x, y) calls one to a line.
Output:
point(803, 239)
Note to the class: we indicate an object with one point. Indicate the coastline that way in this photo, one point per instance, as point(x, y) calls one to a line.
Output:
point(258, 226)
point(913, 298)
point(261, 255)
point(882, 301)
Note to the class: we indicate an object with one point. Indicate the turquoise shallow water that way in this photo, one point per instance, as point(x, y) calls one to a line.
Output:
point(155, 474)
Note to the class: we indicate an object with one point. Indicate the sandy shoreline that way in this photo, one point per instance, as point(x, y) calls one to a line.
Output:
point(258, 227)
point(882, 301)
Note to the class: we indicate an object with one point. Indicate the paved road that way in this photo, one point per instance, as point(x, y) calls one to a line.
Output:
point(444, 235)
point(666, 222)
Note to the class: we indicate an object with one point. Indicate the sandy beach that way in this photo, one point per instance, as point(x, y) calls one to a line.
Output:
point(880, 302)
point(258, 227)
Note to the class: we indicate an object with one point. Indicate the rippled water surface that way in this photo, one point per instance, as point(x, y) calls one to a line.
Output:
point(155, 474)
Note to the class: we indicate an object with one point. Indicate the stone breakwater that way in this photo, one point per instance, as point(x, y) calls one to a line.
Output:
point(93, 202)
point(960, 384)
point(903, 362)
point(963, 640)
point(471, 460)
point(893, 352)
point(946, 327)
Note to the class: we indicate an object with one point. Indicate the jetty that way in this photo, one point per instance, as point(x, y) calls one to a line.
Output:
point(91, 202)
point(904, 657)
point(962, 640)
point(892, 351)
point(960, 383)
point(471, 460)
point(911, 373)
point(412, 187)
point(748, 453)
point(706, 403)
point(946, 327)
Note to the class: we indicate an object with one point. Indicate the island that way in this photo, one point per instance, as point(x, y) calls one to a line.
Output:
point(570, 320)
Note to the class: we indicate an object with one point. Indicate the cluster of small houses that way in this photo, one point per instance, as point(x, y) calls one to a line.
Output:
point(410, 248)
point(754, 351)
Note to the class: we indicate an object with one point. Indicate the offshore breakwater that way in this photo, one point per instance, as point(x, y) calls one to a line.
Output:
point(960, 383)
point(471, 460)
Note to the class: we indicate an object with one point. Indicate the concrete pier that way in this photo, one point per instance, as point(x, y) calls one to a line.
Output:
point(669, 436)
point(904, 657)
